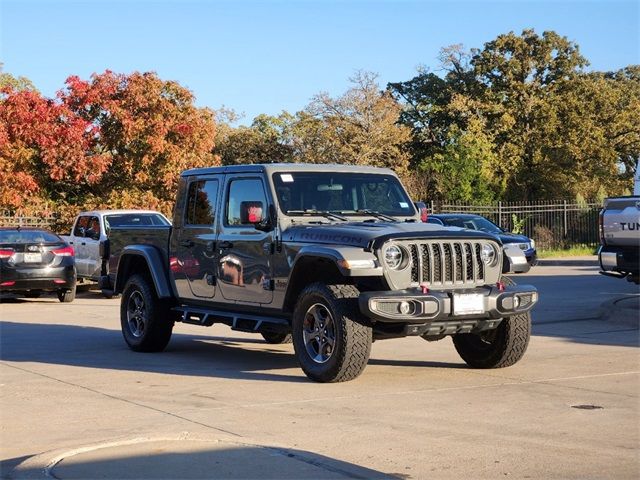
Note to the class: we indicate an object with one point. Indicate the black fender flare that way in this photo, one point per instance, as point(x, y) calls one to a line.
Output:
point(152, 257)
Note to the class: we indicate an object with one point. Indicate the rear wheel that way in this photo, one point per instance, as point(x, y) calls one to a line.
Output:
point(276, 338)
point(332, 340)
point(501, 347)
point(146, 321)
point(67, 296)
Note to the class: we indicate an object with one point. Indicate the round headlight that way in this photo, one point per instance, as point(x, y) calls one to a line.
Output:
point(488, 254)
point(393, 257)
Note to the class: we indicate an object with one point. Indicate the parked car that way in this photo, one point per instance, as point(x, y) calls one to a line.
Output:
point(33, 261)
point(478, 222)
point(331, 257)
point(90, 229)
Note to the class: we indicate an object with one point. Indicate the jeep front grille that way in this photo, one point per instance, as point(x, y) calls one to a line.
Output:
point(446, 263)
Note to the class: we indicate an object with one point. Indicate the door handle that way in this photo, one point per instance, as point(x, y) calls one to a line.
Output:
point(83, 243)
point(187, 243)
point(225, 245)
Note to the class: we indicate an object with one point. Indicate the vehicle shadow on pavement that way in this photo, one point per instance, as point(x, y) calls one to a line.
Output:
point(579, 308)
point(105, 349)
point(196, 460)
point(189, 355)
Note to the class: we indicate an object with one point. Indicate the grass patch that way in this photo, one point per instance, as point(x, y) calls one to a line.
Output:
point(568, 252)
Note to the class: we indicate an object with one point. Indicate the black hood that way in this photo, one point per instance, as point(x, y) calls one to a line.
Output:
point(507, 237)
point(365, 234)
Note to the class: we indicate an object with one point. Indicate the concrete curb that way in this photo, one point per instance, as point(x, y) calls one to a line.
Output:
point(591, 261)
point(206, 456)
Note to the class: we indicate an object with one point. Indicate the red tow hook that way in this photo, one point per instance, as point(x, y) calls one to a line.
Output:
point(425, 289)
point(500, 286)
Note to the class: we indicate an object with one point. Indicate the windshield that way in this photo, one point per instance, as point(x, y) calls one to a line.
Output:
point(135, 220)
point(339, 192)
point(28, 236)
point(472, 223)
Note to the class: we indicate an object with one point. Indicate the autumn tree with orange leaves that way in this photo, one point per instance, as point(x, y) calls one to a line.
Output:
point(114, 141)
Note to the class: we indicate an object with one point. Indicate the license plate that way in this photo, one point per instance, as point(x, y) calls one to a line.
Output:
point(468, 303)
point(32, 257)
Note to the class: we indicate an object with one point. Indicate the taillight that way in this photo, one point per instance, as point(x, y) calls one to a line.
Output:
point(6, 253)
point(601, 226)
point(64, 252)
point(424, 214)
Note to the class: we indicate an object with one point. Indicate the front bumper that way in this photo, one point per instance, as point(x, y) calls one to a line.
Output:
point(483, 303)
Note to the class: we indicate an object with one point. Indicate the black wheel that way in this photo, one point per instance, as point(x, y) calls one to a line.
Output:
point(67, 296)
point(498, 348)
point(332, 340)
point(146, 321)
point(276, 338)
point(33, 294)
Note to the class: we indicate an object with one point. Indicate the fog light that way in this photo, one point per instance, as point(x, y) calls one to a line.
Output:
point(405, 307)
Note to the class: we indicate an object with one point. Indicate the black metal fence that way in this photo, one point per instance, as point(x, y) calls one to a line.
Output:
point(9, 219)
point(552, 224)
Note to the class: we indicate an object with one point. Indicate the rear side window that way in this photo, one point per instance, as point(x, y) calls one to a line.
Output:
point(28, 236)
point(135, 220)
point(201, 202)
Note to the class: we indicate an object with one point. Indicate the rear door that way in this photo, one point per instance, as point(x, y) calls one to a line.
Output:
point(244, 253)
point(194, 240)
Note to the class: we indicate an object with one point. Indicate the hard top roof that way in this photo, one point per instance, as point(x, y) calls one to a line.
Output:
point(270, 168)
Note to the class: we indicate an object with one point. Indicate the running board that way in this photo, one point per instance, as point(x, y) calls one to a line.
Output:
point(237, 321)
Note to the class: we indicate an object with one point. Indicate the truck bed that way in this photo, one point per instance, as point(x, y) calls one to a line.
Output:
point(121, 237)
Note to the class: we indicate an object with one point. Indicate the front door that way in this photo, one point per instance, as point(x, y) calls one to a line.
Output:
point(80, 244)
point(92, 249)
point(244, 262)
point(194, 264)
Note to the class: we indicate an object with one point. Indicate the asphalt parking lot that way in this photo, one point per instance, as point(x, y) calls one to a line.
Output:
point(76, 403)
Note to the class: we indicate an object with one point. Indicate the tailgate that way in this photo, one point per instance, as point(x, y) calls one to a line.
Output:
point(621, 221)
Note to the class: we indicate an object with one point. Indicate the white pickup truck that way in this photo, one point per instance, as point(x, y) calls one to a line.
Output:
point(92, 228)
point(619, 251)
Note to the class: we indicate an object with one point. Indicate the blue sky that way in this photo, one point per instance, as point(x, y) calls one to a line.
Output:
point(268, 56)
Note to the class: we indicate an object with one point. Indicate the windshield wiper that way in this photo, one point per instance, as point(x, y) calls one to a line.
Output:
point(321, 213)
point(377, 214)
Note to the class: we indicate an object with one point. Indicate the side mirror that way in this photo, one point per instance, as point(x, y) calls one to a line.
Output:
point(422, 210)
point(252, 213)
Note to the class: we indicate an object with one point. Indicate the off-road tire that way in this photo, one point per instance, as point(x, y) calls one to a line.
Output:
point(353, 334)
point(66, 296)
point(157, 316)
point(502, 347)
point(276, 338)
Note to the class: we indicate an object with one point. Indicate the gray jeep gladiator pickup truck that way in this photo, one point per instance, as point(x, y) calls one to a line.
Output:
point(330, 257)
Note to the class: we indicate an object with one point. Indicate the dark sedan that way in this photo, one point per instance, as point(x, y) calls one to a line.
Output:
point(33, 261)
point(477, 222)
